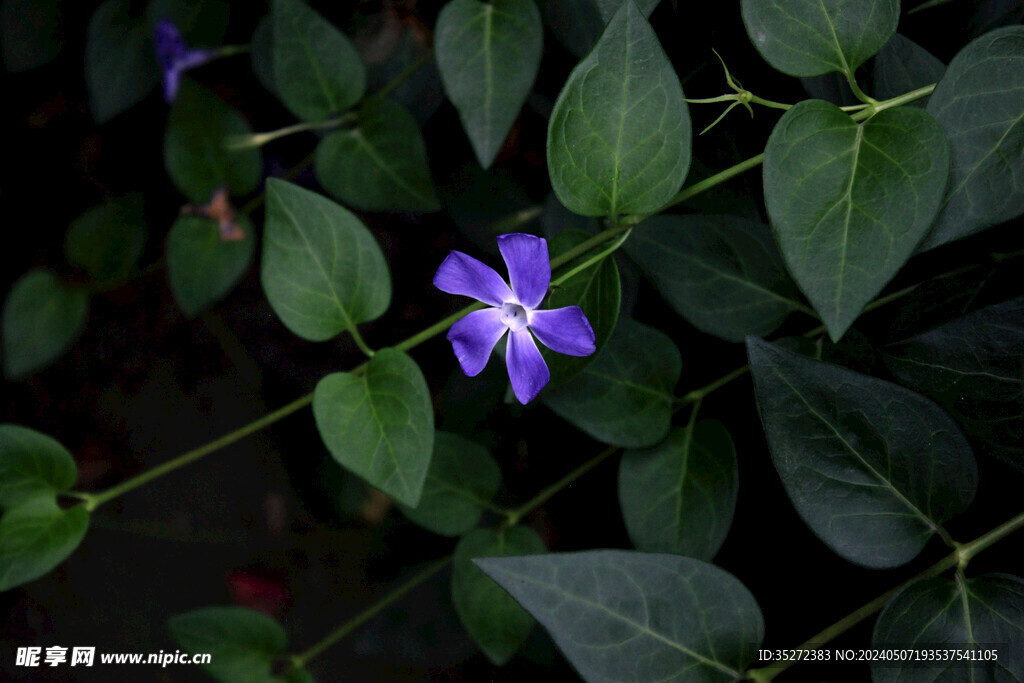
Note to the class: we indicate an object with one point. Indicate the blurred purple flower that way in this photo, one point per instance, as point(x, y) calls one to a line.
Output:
point(565, 330)
point(175, 57)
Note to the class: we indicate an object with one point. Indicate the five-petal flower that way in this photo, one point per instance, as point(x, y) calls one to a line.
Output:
point(175, 57)
point(513, 310)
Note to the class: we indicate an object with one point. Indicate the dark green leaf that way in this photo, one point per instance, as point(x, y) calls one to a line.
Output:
point(493, 620)
point(107, 240)
point(120, 68)
point(679, 496)
point(380, 164)
point(32, 33)
point(980, 105)
point(263, 54)
point(41, 320)
point(316, 68)
point(461, 481)
point(902, 66)
point(202, 267)
point(627, 616)
point(35, 533)
point(608, 8)
point(849, 202)
point(488, 54)
point(322, 270)
point(722, 273)
point(196, 155)
point(872, 468)
point(972, 368)
point(812, 37)
point(379, 425)
point(242, 643)
point(619, 136)
point(974, 614)
point(596, 290)
point(578, 23)
point(624, 397)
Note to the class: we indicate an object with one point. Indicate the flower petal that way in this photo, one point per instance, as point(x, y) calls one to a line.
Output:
point(565, 330)
point(462, 274)
point(194, 57)
point(473, 338)
point(529, 269)
point(526, 368)
point(169, 44)
point(171, 77)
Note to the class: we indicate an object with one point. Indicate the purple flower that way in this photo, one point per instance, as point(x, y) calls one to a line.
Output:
point(514, 310)
point(174, 56)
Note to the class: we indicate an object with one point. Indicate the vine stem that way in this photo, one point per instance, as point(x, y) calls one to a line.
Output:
point(956, 559)
point(529, 506)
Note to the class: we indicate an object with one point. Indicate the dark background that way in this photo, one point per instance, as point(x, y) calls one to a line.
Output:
point(271, 522)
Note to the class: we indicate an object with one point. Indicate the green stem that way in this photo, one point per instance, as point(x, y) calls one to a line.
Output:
point(360, 342)
point(899, 101)
point(92, 501)
point(232, 50)
point(767, 103)
point(597, 258)
point(851, 78)
point(259, 139)
point(405, 74)
point(529, 506)
point(698, 395)
point(954, 559)
point(300, 660)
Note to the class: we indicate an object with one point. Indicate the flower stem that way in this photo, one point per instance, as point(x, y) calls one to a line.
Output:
point(360, 342)
point(954, 559)
point(529, 506)
point(300, 660)
point(597, 258)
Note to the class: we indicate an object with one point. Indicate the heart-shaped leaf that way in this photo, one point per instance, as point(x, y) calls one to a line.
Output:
point(107, 240)
point(849, 202)
point(624, 397)
point(488, 54)
point(578, 23)
point(379, 425)
point(32, 33)
point(461, 481)
point(812, 37)
point(317, 70)
point(722, 273)
point(619, 136)
point(202, 266)
point(42, 317)
point(679, 496)
point(120, 68)
point(243, 644)
point(979, 104)
point(322, 270)
point(872, 468)
point(35, 533)
point(972, 615)
point(971, 366)
point(596, 290)
point(196, 154)
point(628, 616)
point(380, 164)
point(902, 66)
point(492, 619)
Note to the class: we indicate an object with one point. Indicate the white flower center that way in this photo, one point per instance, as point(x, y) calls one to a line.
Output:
point(515, 316)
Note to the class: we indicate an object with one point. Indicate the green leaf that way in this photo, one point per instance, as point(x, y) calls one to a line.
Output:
point(903, 66)
point(608, 8)
point(979, 104)
point(596, 290)
point(488, 54)
point(35, 533)
point(263, 54)
point(624, 398)
point(32, 33)
point(619, 136)
point(872, 468)
point(493, 620)
point(107, 240)
point(380, 164)
point(849, 202)
point(195, 152)
point(201, 266)
point(323, 272)
point(811, 37)
point(973, 614)
point(379, 425)
point(578, 23)
point(243, 644)
point(461, 481)
point(42, 318)
point(722, 273)
point(120, 68)
point(628, 616)
point(971, 366)
point(679, 496)
point(316, 68)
